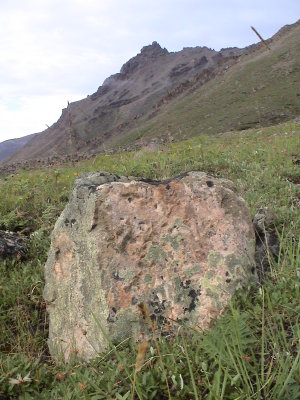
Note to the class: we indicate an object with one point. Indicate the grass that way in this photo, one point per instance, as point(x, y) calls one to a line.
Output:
point(252, 352)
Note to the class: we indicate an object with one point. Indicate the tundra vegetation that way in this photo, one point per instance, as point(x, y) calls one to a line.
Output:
point(251, 352)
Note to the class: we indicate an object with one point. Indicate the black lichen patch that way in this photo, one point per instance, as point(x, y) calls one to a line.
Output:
point(193, 294)
point(92, 189)
point(134, 300)
point(157, 306)
point(210, 183)
point(112, 315)
point(186, 285)
point(69, 223)
point(116, 276)
point(93, 227)
point(160, 319)
point(228, 279)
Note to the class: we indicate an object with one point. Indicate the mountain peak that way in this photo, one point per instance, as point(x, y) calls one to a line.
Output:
point(154, 49)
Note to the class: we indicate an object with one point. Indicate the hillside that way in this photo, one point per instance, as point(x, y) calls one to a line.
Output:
point(122, 99)
point(164, 96)
point(11, 146)
point(261, 89)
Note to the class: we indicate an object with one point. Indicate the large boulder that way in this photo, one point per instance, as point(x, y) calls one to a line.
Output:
point(180, 247)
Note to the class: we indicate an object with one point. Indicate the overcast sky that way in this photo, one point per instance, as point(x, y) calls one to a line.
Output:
point(52, 51)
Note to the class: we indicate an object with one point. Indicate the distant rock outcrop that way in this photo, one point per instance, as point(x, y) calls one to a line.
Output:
point(179, 247)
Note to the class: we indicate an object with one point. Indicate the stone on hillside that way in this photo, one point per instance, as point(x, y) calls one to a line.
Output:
point(267, 241)
point(180, 247)
point(12, 244)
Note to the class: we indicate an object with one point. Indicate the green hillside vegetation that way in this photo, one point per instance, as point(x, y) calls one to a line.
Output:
point(252, 352)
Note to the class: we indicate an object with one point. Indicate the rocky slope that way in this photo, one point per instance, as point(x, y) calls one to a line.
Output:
point(158, 94)
point(142, 82)
point(11, 146)
point(262, 88)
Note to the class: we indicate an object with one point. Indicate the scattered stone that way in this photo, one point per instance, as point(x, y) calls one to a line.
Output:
point(267, 243)
point(180, 247)
point(12, 245)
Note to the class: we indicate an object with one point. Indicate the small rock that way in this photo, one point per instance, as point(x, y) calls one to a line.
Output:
point(11, 244)
point(267, 243)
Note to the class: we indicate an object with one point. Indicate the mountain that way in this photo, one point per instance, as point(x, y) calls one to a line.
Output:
point(11, 146)
point(163, 94)
point(262, 88)
point(123, 98)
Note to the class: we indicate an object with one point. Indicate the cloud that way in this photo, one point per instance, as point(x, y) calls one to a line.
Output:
point(54, 51)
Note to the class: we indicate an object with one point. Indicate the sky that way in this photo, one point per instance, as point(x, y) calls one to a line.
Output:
point(55, 51)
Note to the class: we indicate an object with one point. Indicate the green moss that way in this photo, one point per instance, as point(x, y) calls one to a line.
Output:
point(127, 274)
point(173, 240)
point(214, 259)
point(196, 268)
point(156, 254)
point(125, 326)
point(147, 278)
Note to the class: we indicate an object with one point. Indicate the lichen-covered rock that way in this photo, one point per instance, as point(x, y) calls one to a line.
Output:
point(181, 247)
